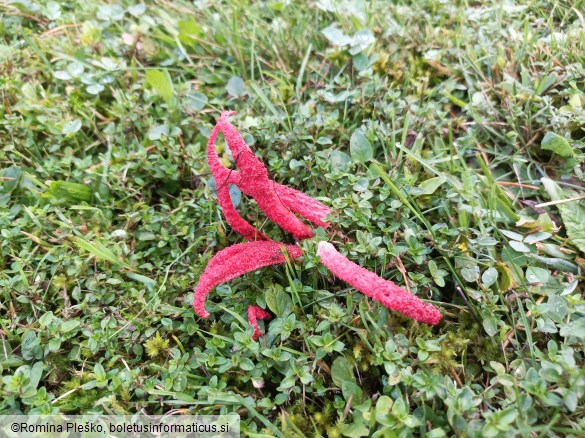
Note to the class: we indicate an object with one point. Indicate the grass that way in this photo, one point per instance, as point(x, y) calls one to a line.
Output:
point(446, 136)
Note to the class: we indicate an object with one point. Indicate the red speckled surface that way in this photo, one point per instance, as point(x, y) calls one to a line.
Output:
point(383, 291)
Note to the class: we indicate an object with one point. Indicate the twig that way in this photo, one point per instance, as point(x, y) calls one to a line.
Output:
point(347, 407)
point(560, 201)
point(60, 29)
point(403, 272)
point(456, 376)
point(515, 184)
point(65, 395)
point(468, 304)
point(11, 10)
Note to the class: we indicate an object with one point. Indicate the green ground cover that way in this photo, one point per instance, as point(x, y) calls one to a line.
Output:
point(434, 129)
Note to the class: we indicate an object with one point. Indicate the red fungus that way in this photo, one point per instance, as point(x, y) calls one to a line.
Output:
point(223, 177)
point(303, 204)
point(279, 203)
point(236, 260)
point(255, 313)
point(252, 179)
point(378, 289)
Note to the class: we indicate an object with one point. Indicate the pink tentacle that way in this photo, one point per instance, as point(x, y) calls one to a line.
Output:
point(255, 313)
point(282, 216)
point(233, 218)
point(383, 291)
point(223, 177)
point(222, 174)
point(235, 261)
point(303, 204)
point(232, 136)
point(254, 182)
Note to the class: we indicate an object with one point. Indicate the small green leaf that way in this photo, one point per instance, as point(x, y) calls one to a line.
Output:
point(519, 246)
point(189, 31)
point(537, 275)
point(537, 237)
point(571, 400)
point(336, 36)
point(489, 277)
point(349, 389)
point(95, 89)
point(342, 371)
point(196, 101)
point(5, 52)
point(30, 346)
point(10, 178)
point(490, 325)
point(71, 127)
point(235, 87)
point(75, 69)
point(280, 399)
point(546, 83)
point(399, 408)
point(360, 147)
point(383, 405)
point(470, 272)
point(99, 371)
point(145, 236)
point(513, 257)
point(437, 273)
point(157, 131)
point(512, 235)
point(68, 191)
point(339, 160)
point(505, 277)
point(235, 194)
point(246, 364)
point(570, 288)
point(575, 328)
point(556, 263)
point(100, 251)
point(432, 267)
point(556, 308)
point(278, 301)
point(572, 213)
point(160, 81)
point(498, 367)
point(70, 325)
point(356, 429)
point(148, 282)
point(575, 101)
point(46, 319)
point(34, 376)
point(557, 144)
point(429, 186)
point(360, 61)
